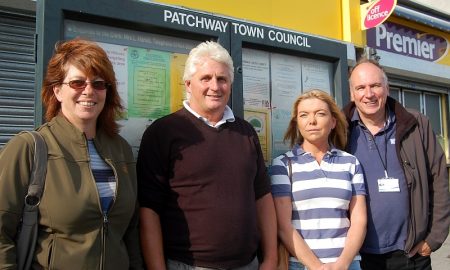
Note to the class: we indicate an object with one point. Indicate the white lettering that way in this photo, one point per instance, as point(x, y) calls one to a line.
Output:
point(199, 22)
point(288, 38)
point(371, 17)
point(397, 42)
point(181, 16)
point(167, 15)
point(248, 30)
point(375, 9)
point(425, 49)
point(430, 53)
point(403, 44)
point(224, 25)
point(380, 34)
point(409, 44)
point(210, 24)
point(195, 21)
point(191, 21)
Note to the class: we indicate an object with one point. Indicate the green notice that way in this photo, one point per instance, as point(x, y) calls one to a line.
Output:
point(148, 83)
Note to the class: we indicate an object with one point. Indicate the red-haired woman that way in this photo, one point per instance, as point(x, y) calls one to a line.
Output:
point(88, 211)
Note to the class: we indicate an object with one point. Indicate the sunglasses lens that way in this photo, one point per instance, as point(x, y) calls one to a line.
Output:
point(81, 84)
point(99, 85)
point(77, 84)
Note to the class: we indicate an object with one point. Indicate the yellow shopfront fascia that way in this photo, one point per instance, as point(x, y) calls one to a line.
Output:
point(334, 19)
point(445, 60)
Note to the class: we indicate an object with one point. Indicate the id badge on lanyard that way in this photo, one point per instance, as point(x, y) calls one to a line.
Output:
point(388, 184)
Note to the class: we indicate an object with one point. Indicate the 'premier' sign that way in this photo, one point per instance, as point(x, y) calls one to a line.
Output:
point(403, 40)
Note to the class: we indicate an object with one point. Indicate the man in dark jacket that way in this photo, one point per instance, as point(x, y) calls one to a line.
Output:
point(406, 176)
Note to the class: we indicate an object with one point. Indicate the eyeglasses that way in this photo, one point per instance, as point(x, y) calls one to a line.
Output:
point(81, 84)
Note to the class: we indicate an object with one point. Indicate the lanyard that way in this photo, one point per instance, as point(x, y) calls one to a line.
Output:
point(385, 146)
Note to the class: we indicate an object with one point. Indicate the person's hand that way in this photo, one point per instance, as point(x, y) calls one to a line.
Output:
point(333, 266)
point(422, 248)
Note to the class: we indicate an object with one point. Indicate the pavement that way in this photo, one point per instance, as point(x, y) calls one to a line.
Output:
point(440, 259)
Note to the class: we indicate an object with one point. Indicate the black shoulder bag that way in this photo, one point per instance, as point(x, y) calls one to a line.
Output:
point(28, 232)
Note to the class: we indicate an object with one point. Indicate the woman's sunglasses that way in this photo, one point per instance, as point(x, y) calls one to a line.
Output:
point(81, 84)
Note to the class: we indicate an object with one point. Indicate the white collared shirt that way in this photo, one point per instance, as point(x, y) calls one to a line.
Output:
point(228, 115)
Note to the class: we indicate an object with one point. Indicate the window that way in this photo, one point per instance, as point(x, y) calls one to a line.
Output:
point(430, 104)
point(411, 99)
point(433, 110)
point(394, 92)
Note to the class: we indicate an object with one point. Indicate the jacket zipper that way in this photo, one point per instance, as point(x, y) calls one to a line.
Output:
point(104, 214)
point(411, 229)
point(104, 235)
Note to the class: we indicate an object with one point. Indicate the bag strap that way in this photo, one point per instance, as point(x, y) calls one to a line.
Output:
point(39, 169)
point(290, 168)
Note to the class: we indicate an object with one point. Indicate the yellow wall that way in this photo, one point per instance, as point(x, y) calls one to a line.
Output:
point(335, 19)
point(318, 17)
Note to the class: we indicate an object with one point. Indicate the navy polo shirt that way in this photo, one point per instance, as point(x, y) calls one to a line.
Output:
point(387, 212)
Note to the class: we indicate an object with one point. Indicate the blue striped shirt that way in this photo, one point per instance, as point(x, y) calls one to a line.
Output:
point(104, 178)
point(321, 195)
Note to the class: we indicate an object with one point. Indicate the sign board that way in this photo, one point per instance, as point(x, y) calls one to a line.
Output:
point(376, 12)
point(400, 39)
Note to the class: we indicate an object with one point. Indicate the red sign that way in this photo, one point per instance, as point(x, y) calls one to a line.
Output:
point(376, 12)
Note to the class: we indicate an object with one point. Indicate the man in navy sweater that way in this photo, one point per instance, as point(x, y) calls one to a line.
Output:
point(203, 187)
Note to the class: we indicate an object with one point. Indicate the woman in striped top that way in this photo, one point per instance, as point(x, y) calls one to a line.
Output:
point(319, 189)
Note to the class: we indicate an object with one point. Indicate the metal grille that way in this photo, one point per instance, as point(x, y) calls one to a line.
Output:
point(17, 74)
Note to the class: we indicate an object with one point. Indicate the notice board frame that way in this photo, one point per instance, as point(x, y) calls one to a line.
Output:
point(132, 15)
point(312, 47)
point(159, 19)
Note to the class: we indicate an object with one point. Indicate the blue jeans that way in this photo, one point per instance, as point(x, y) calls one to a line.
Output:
point(176, 265)
point(298, 266)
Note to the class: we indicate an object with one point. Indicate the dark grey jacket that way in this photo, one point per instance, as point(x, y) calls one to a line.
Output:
point(424, 165)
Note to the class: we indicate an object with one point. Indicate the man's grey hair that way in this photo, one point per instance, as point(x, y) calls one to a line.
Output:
point(210, 50)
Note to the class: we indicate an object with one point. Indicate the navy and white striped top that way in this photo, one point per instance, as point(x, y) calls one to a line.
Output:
point(104, 178)
point(321, 195)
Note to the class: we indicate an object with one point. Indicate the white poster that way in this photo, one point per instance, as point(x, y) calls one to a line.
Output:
point(117, 54)
point(316, 75)
point(286, 74)
point(256, 80)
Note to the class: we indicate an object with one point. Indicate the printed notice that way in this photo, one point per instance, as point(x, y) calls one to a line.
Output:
point(259, 119)
point(149, 83)
point(286, 80)
point(256, 78)
point(118, 56)
point(280, 122)
point(286, 87)
point(177, 91)
point(316, 75)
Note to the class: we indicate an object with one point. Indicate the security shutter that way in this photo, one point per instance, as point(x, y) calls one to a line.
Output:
point(17, 73)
